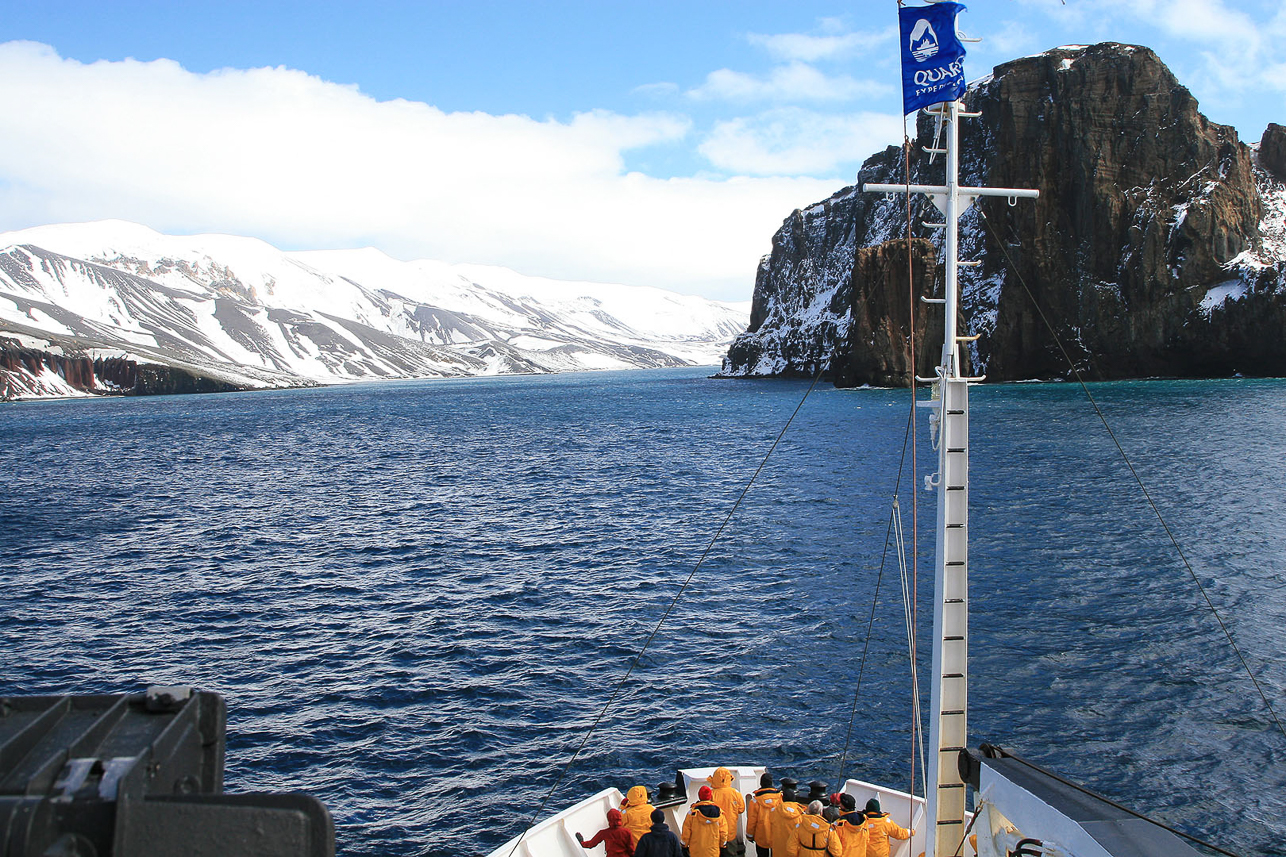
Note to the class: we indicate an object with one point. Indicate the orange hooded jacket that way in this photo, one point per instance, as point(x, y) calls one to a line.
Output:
point(728, 798)
point(809, 838)
point(785, 818)
point(879, 827)
point(849, 837)
point(759, 815)
point(638, 812)
point(705, 829)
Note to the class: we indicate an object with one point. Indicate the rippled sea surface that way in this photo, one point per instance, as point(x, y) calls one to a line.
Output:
point(417, 597)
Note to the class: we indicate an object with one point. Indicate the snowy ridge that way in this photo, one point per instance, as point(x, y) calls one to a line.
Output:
point(242, 310)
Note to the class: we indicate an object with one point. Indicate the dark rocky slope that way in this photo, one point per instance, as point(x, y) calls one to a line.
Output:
point(23, 370)
point(1157, 246)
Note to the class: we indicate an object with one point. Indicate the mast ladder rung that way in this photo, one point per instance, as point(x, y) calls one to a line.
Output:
point(954, 562)
point(953, 713)
point(970, 115)
point(953, 601)
point(934, 151)
point(955, 449)
point(950, 749)
point(950, 785)
point(950, 821)
point(955, 526)
point(927, 225)
point(955, 411)
point(953, 675)
point(973, 338)
point(963, 264)
point(933, 301)
point(955, 487)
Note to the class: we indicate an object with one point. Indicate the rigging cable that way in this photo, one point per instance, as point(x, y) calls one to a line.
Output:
point(1146, 494)
point(879, 578)
point(674, 601)
point(909, 600)
point(917, 736)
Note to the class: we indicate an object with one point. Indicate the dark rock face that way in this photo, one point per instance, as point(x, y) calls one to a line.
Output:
point(1144, 252)
point(877, 349)
point(103, 376)
point(1272, 151)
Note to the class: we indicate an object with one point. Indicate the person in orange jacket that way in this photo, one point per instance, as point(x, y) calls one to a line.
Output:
point(813, 834)
point(879, 828)
point(785, 817)
point(759, 815)
point(849, 836)
point(638, 812)
point(705, 829)
point(728, 799)
point(616, 839)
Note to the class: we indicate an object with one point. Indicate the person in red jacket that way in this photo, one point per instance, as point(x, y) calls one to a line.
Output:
point(616, 839)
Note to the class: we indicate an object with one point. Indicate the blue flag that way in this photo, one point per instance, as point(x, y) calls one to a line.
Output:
point(932, 56)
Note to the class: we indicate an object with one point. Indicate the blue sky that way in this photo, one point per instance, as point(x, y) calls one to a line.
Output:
point(656, 143)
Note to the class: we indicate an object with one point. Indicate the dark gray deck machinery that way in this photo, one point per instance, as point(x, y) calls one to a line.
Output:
point(138, 774)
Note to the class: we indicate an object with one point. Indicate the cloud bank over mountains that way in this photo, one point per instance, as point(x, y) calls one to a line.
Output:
point(303, 162)
point(679, 183)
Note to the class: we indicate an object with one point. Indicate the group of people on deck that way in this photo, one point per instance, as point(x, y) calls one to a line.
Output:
point(776, 822)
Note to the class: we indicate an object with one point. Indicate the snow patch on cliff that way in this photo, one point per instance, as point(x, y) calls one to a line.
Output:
point(1217, 296)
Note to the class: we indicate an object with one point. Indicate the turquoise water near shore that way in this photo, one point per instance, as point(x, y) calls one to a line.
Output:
point(417, 596)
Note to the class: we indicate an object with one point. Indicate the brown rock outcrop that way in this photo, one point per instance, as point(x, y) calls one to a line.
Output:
point(21, 368)
point(1144, 251)
point(878, 347)
point(1272, 151)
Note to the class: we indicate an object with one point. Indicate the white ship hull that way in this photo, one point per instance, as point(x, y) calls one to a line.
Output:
point(556, 836)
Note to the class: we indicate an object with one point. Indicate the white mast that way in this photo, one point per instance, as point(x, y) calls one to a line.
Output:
point(948, 734)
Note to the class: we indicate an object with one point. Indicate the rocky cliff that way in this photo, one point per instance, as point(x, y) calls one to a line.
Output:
point(1157, 246)
point(34, 369)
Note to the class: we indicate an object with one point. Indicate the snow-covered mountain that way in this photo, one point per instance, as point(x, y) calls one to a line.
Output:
point(246, 314)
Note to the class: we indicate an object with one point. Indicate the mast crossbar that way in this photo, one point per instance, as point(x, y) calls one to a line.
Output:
point(949, 698)
point(1016, 192)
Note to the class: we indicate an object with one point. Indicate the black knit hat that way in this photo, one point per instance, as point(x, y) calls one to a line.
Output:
point(848, 802)
point(872, 805)
point(765, 781)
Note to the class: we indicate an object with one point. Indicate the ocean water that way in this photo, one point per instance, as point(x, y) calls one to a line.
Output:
point(417, 597)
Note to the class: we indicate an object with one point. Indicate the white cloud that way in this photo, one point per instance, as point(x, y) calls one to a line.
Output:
point(1208, 21)
point(1237, 42)
point(1013, 39)
point(304, 163)
point(790, 141)
point(795, 81)
point(833, 45)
